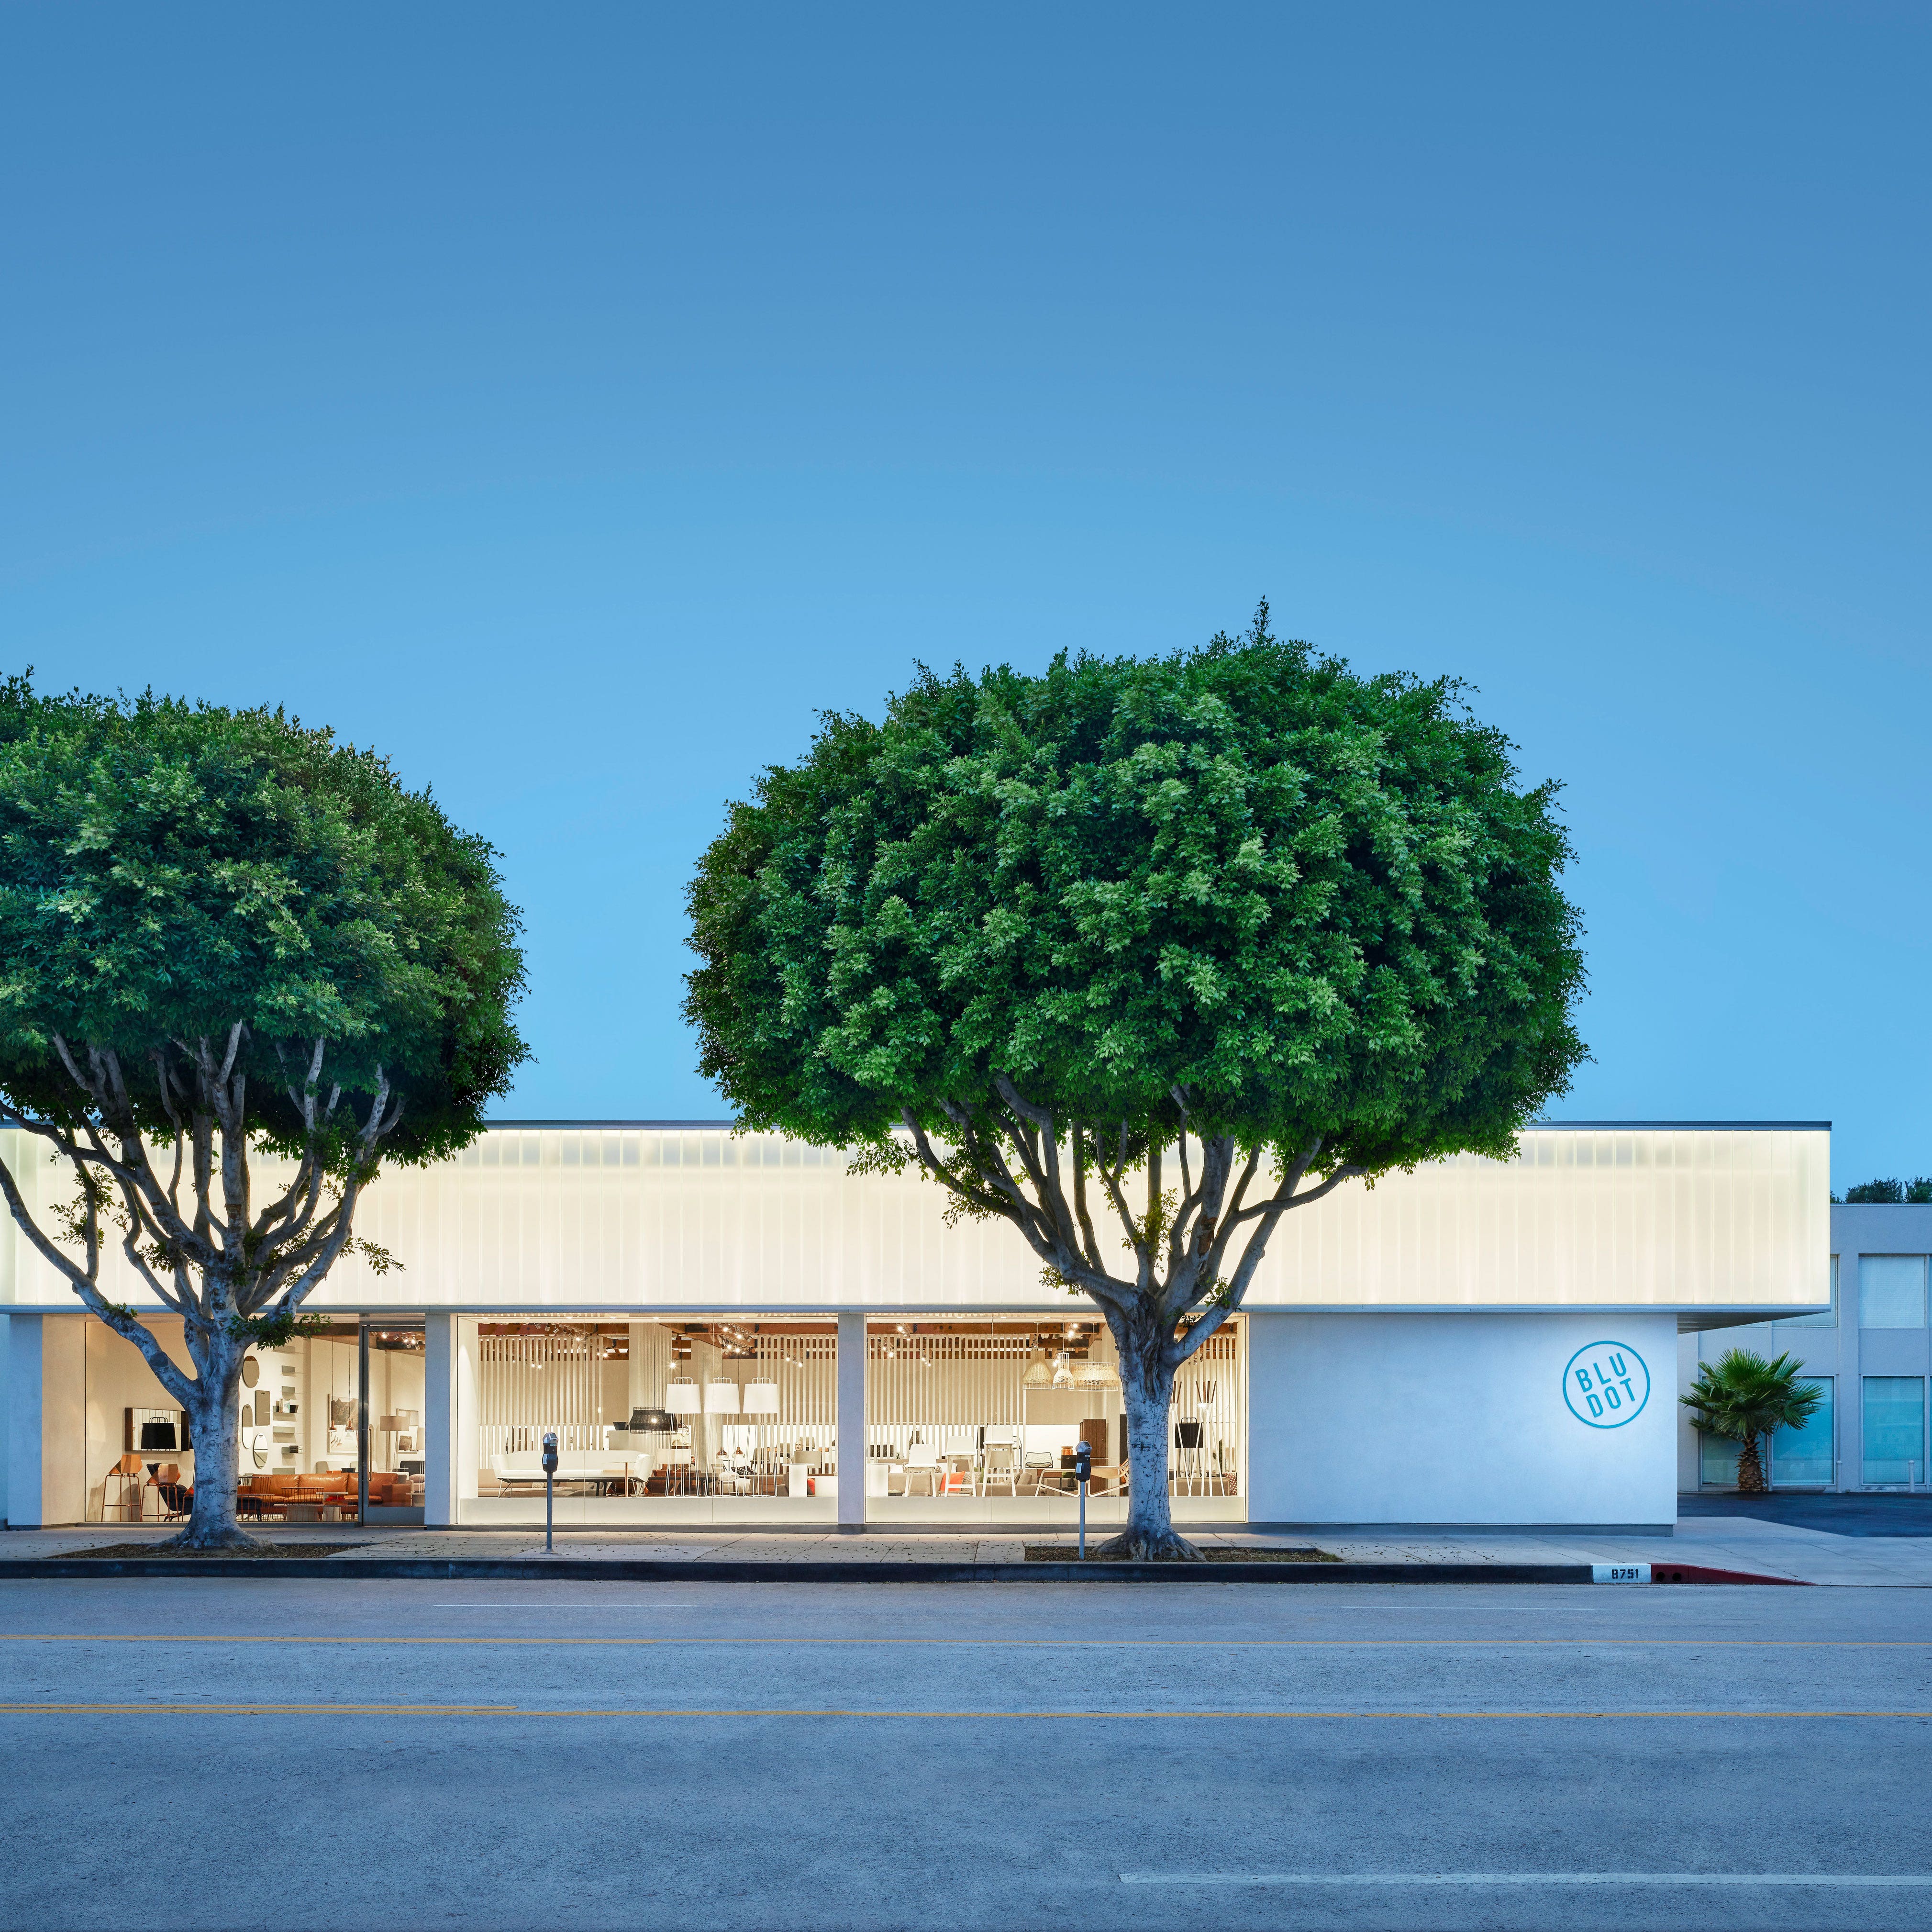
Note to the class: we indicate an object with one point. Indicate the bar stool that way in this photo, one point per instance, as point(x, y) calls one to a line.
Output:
point(1190, 1466)
point(128, 1473)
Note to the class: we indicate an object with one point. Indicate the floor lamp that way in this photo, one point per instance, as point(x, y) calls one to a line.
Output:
point(683, 1399)
point(761, 1398)
point(721, 1398)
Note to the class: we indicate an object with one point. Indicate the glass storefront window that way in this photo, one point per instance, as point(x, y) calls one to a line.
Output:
point(667, 1418)
point(1894, 1429)
point(979, 1418)
point(299, 1446)
point(1807, 1455)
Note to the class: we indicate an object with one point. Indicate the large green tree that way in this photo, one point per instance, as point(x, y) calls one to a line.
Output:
point(1183, 944)
point(223, 936)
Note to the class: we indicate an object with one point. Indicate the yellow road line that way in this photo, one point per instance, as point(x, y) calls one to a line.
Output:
point(221, 1710)
point(1010, 1643)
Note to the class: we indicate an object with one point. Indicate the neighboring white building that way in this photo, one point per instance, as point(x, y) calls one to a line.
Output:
point(1868, 1351)
point(1479, 1343)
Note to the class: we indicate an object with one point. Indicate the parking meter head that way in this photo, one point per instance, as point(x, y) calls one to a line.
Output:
point(1083, 1461)
point(550, 1452)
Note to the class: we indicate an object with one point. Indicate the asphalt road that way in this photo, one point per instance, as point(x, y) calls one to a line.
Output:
point(290, 1755)
point(1836, 1514)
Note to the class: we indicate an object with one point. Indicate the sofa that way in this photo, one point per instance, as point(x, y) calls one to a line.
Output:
point(518, 1469)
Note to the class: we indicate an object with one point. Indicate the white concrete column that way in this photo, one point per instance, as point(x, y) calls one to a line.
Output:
point(851, 1422)
point(440, 1407)
point(468, 1411)
point(23, 1421)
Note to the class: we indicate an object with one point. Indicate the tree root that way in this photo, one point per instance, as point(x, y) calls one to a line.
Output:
point(1136, 1546)
point(210, 1543)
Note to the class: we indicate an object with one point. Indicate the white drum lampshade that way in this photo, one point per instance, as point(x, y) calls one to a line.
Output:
point(682, 1398)
point(721, 1398)
point(1092, 1374)
point(761, 1398)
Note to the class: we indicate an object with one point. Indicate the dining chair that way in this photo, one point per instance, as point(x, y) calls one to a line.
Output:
point(922, 1460)
point(1000, 1463)
point(1037, 1463)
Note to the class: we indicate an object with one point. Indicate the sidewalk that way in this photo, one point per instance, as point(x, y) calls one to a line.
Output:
point(1719, 1542)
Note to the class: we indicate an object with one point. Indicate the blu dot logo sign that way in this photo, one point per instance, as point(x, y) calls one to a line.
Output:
point(1606, 1384)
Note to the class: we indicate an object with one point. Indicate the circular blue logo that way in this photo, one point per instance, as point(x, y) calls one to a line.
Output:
point(1606, 1384)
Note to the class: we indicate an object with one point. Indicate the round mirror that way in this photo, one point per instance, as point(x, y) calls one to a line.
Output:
point(261, 1457)
point(251, 1372)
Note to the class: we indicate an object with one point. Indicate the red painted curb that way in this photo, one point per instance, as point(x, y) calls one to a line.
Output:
point(1696, 1572)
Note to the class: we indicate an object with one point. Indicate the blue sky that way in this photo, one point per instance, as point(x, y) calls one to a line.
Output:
point(573, 401)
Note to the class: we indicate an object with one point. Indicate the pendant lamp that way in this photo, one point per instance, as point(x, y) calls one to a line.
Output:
point(1063, 1376)
point(1092, 1374)
point(761, 1398)
point(720, 1398)
point(1038, 1375)
point(681, 1397)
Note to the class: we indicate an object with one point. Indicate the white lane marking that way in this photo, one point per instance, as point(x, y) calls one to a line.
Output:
point(1832, 1878)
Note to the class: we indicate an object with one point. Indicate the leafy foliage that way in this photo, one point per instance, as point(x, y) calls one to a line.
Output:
point(1916, 1192)
point(1316, 904)
point(168, 869)
point(1743, 1396)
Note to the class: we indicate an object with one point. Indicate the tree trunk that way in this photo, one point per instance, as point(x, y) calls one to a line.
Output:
point(1147, 1393)
point(1750, 1470)
point(215, 1426)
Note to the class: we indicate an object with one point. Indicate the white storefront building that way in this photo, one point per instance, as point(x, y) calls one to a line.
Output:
point(732, 1329)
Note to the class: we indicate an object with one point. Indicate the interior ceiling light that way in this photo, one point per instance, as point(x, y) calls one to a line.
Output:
point(1063, 1376)
point(1038, 1374)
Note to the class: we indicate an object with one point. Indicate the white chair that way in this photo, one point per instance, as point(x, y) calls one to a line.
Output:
point(922, 1460)
point(1000, 1461)
point(1038, 1462)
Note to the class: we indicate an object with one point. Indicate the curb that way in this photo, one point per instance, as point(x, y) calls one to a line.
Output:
point(587, 1570)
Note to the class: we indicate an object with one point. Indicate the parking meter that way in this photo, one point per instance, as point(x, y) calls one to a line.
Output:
point(549, 1483)
point(1083, 1474)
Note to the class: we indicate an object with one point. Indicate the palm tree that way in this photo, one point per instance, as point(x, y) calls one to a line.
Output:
point(1742, 1396)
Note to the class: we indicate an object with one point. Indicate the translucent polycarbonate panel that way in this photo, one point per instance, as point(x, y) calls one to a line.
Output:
point(1828, 1318)
point(1891, 1290)
point(564, 1217)
point(1807, 1455)
point(1894, 1429)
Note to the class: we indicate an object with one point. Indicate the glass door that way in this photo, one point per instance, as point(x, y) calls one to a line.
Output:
point(391, 1449)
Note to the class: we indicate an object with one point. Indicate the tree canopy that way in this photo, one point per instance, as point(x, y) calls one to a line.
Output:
point(168, 870)
point(1241, 884)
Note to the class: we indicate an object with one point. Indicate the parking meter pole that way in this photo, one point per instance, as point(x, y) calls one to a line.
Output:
point(550, 1486)
point(1083, 1473)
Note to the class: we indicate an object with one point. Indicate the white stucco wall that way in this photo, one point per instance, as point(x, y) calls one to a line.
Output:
point(1441, 1420)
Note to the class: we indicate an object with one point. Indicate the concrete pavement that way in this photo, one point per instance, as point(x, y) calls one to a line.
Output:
point(1800, 1553)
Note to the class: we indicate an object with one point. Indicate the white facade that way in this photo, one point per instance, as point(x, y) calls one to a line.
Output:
point(1405, 1349)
